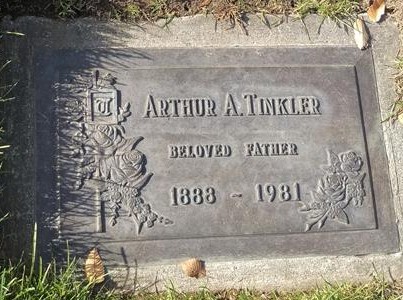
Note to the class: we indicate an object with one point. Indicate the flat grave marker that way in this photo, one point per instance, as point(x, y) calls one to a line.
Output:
point(162, 154)
point(263, 155)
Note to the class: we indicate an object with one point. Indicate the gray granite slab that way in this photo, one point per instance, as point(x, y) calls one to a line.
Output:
point(258, 152)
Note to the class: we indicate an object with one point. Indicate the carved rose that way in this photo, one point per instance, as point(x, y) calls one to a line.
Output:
point(334, 186)
point(108, 157)
point(334, 182)
point(350, 162)
point(104, 139)
point(341, 185)
point(127, 168)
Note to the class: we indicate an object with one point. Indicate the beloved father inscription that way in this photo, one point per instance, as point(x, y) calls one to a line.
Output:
point(160, 156)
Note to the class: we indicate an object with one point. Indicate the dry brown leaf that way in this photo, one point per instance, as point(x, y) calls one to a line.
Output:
point(194, 268)
point(94, 267)
point(205, 3)
point(361, 34)
point(376, 10)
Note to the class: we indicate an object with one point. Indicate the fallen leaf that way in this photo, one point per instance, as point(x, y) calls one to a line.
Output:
point(94, 267)
point(376, 10)
point(360, 34)
point(400, 118)
point(194, 268)
point(205, 3)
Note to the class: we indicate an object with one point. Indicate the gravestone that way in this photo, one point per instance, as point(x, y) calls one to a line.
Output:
point(154, 155)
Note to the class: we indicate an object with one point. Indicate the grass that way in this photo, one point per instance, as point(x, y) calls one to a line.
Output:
point(151, 10)
point(232, 11)
point(377, 289)
point(339, 11)
point(53, 282)
point(48, 282)
point(397, 107)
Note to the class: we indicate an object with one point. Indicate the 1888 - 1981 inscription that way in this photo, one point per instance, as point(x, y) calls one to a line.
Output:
point(239, 152)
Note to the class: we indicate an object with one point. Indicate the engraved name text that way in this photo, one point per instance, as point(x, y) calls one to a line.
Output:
point(247, 104)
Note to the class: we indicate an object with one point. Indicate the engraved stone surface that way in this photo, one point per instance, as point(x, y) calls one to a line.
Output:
point(251, 152)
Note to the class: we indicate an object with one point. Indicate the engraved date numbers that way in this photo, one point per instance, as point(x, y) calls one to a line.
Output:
point(282, 192)
point(197, 196)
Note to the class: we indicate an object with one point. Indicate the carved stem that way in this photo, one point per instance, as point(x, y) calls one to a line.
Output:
point(98, 212)
point(99, 227)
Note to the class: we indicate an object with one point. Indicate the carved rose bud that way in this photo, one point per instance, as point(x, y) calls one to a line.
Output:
point(137, 202)
point(356, 191)
point(147, 208)
point(151, 217)
point(134, 193)
point(351, 162)
point(142, 218)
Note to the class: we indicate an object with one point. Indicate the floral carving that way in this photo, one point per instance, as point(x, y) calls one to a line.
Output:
point(110, 159)
point(341, 185)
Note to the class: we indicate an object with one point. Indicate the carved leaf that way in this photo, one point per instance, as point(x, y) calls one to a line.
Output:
point(304, 207)
point(104, 167)
point(125, 112)
point(321, 185)
point(360, 34)
point(376, 10)
point(194, 268)
point(308, 226)
point(361, 178)
point(338, 195)
point(327, 169)
point(318, 197)
point(110, 169)
point(117, 175)
point(94, 267)
point(316, 214)
point(342, 216)
point(322, 222)
point(167, 221)
point(128, 145)
point(141, 181)
point(132, 204)
point(345, 202)
point(334, 159)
